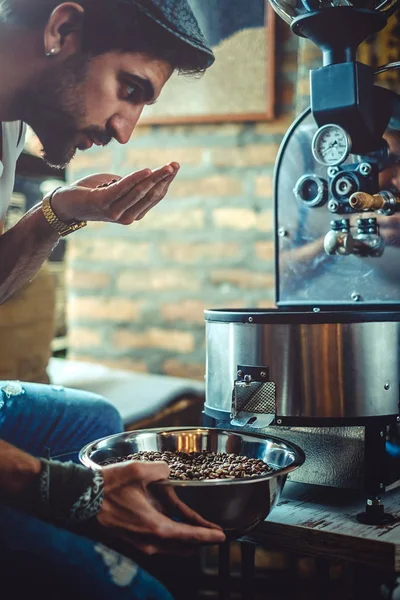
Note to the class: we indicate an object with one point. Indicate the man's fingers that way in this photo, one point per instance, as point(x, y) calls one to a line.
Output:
point(140, 186)
point(149, 472)
point(132, 472)
point(148, 192)
point(168, 529)
point(111, 193)
point(138, 210)
point(115, 196)
point(161, 531)
point(142, 214)
point(141, 181)
point(167, 494)
point(147, 520)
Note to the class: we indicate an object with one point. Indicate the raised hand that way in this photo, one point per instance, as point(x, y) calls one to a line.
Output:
point(123, 201)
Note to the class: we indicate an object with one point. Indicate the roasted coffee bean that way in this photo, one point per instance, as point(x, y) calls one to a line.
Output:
point(201, 465)
point(104, 185)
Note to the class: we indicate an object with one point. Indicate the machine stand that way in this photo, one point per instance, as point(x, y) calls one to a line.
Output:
point(374, 513)
point(375, 466)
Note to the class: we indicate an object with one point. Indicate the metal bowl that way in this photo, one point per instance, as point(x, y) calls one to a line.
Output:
point(237, 505)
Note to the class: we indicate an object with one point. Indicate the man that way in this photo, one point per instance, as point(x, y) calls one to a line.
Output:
point(80, 73)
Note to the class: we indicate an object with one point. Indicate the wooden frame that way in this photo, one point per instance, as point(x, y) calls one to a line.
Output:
point(267, 115)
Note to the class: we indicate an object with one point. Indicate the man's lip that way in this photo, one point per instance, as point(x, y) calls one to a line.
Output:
point(96, 142)
point(86, 144)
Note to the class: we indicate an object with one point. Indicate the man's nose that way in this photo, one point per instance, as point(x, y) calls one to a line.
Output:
point(123, 125)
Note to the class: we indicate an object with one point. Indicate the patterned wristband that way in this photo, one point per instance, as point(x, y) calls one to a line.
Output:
point(69, 493)
point(88, 504)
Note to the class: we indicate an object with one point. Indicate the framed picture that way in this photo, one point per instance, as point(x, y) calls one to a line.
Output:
point(240, 84)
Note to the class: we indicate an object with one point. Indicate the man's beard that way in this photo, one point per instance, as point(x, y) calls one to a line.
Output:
point(54, 105)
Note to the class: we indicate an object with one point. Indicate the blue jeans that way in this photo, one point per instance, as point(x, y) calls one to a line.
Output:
point(37, 558)
point(52, 421)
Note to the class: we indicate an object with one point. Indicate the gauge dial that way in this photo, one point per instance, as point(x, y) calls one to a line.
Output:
point(331, 145)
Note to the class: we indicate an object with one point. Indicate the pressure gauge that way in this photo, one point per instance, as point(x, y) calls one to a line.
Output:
point(331, 145)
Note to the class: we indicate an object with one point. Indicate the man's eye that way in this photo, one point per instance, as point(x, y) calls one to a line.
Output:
point(133, 93)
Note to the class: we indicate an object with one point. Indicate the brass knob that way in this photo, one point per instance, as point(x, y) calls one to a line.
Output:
point(364, 201)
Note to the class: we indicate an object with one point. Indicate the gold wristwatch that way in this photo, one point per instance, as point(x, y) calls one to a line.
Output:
point(62, 228)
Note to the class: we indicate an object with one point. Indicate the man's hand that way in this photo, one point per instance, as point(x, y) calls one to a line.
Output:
point(135, 514)
point(126, 200)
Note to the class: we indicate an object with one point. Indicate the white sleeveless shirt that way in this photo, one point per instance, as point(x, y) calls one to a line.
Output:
point(13, 144)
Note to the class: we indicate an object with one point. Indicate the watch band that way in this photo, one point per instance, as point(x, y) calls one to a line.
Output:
point(62, 228)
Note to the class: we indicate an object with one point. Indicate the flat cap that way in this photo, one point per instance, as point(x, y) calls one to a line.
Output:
point(177, 17)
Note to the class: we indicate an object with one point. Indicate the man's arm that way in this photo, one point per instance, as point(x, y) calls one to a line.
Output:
point(25, 247)
point(129, 509)
point(17, 472)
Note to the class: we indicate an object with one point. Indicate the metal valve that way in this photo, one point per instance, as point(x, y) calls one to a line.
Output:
point(339, 240)
point(367, 242)
point(384, 202)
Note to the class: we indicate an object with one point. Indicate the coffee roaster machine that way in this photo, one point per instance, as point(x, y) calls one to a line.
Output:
point(323, 368)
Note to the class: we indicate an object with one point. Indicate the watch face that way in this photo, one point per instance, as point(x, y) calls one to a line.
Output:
point(331, 145)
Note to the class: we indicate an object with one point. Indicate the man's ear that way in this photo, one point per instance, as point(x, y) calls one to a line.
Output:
point(63, 32)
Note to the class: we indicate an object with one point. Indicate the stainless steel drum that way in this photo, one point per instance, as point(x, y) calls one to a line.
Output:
point(297, 366)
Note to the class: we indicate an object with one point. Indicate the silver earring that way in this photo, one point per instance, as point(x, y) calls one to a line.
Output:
point(51, 52)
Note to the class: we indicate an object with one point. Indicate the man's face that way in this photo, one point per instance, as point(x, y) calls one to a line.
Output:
point(82, 101)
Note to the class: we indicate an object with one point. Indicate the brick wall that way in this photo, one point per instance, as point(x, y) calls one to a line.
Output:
point(136, 294)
